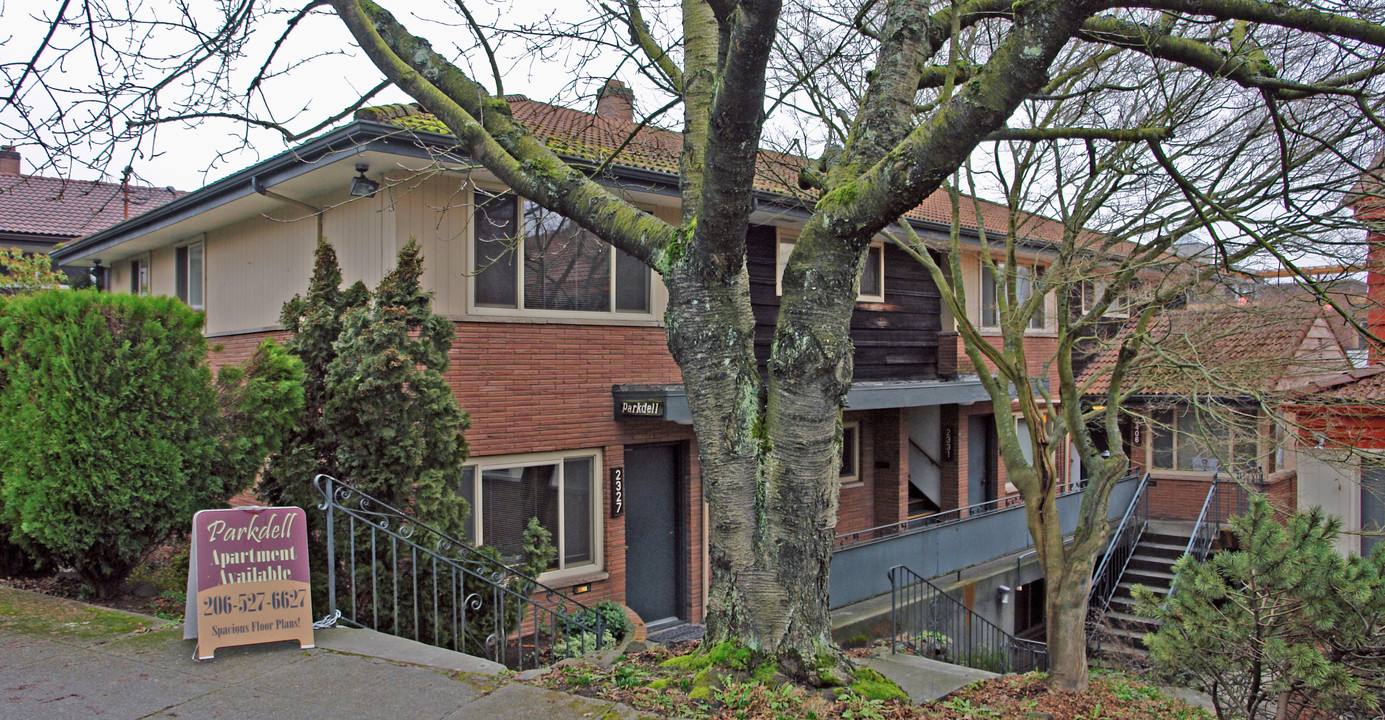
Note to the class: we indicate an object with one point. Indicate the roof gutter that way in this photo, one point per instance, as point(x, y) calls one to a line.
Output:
point(258, 186)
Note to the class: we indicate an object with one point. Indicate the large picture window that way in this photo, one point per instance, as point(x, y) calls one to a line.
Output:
point(558, 489)
point(1024, 287)
point(527, 258)
point(1192, 441)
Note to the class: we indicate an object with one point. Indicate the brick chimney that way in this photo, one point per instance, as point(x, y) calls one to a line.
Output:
point(614, 101)
point(9, 160)
point(1367, 201)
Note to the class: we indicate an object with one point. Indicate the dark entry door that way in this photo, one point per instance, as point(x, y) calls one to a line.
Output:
point(981, 472)
point(653, 562)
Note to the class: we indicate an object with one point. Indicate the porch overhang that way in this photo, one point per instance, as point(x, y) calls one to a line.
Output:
point(670, 402)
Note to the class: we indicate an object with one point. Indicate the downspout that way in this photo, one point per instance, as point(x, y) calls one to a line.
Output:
point(258, 186)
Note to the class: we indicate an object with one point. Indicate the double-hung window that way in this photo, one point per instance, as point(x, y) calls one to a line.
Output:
point(851, 453)
point(527, 258)
point(560, 489)
point(189, 276)
point(871, 283)
point(1024, 288)
point(1092, 291)
point(139, 277)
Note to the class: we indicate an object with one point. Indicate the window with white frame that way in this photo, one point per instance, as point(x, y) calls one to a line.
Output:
point(1024, 288)
point(139, 277)
point(1092, 290)
point(851, 453)
point(1192, 440)
point(870, 285)
point(527, 258)
point(560, 489)
point(189, 277)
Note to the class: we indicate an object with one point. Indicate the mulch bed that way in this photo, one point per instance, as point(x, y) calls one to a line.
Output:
point(639, 680)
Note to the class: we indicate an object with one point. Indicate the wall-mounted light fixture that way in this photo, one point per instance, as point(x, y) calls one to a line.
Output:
point(1002, 594)
point(362, 186)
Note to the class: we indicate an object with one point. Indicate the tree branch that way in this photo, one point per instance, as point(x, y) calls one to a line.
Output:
point(1079, 133)
point(644, 39)
point(1272, 13)
point(496, 141)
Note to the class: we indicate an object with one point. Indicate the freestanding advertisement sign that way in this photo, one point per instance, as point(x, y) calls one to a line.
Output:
point(248, 578)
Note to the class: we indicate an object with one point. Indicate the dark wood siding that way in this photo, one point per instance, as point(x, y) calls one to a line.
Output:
point(895, 340)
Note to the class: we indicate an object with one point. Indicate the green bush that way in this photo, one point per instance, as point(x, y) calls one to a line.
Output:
point(113, 432)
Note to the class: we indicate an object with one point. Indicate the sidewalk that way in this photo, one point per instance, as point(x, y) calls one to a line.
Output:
point(61, 659)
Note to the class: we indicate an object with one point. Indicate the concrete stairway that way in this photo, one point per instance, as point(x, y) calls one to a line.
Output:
point(1151, 566)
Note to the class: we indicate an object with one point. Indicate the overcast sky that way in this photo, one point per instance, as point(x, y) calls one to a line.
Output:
point(188, 156)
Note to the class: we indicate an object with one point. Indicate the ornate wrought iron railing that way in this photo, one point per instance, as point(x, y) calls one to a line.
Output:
point(927, 621)
point(1126, 537)
point(390, 572)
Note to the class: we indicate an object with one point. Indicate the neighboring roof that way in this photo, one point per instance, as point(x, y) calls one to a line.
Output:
point(578, 134)
point(1226, 351)
point(59, 209)
point(1361, 386)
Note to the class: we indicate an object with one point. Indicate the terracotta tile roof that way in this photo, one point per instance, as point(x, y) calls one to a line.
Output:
point(1360, 386)
point(579, 134)
point(1226, 351)
point(63, 209)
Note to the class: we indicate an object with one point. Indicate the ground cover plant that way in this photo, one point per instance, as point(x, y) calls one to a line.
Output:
point(723, 683)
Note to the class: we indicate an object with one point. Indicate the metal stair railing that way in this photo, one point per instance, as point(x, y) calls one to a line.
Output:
point(440, 589)
point(1124, 540)
point(927, 621)
point(1209, 520)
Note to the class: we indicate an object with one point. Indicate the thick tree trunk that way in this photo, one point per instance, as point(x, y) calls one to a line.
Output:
point(769, 461)
point(1065, 605)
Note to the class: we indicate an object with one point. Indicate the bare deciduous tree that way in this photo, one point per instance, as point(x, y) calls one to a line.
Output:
point(768, 449)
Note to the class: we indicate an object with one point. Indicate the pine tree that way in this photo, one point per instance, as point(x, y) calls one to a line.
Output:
point(1283, 627)
point(397, 426)
point(315, 323)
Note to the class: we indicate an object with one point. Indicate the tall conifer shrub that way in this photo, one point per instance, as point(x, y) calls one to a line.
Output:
point(113, 432)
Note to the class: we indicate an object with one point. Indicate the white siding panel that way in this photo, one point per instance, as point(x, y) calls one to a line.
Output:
point(354, 227)
point(253, 267)
point(437, 213)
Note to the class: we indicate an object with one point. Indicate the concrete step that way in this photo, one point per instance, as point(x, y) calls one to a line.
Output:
point(1126, 588)
point(1131, 621)
point(1148, 578)
point(1152, 548)
point(1141, 562)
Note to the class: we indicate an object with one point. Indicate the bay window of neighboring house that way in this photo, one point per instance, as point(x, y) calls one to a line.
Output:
point(870, 285)
point(529, 259)
point(189, 276)
point(560, 489)
point(1190, 440)
point(1024, 287)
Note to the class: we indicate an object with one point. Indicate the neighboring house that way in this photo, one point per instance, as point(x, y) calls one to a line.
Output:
point(560, 355)
point(38, 213)
point(1203, 397)
point(1340, 420)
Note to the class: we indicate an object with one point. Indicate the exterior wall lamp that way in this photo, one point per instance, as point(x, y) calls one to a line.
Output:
point(362, 186)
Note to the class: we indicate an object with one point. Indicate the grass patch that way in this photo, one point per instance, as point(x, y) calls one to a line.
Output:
point(34, 614)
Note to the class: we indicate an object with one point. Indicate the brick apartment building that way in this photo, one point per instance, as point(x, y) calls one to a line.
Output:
point(560, 355)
